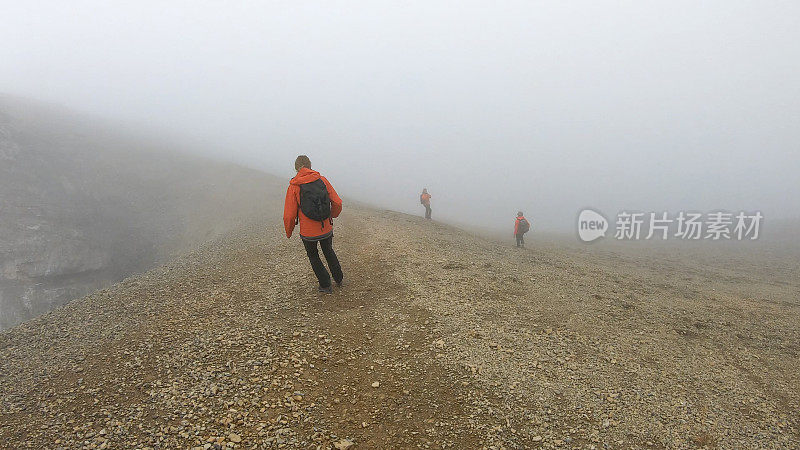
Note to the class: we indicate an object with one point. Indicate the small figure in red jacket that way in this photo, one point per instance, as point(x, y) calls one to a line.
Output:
point(312, 202)
point(425, 199)
point(521, 226)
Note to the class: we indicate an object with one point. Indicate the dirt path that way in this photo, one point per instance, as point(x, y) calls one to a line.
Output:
point(439, 340)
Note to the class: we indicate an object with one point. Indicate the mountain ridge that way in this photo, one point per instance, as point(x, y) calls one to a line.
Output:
point(439, 338)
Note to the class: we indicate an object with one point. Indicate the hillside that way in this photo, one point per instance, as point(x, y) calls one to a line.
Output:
point(441, 339)
point(82, 206)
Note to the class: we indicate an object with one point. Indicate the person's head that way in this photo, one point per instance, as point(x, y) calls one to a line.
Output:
point(519, 214)
point(424, 190)
point(302, 161)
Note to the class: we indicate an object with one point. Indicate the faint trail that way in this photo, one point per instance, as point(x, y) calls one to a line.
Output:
point(377, 336)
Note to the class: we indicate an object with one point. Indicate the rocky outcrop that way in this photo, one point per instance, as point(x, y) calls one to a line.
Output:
point(82, 207)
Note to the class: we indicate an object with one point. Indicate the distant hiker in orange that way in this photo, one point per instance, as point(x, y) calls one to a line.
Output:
point(312, 202)
point(425, 199)
point(521, 226)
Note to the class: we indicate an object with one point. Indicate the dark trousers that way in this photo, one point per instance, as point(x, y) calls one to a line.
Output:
point(316, 263)
point(427, 211)
point(520, 240)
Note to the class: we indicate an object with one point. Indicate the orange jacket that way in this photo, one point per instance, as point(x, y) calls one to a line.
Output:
point(425, 199)
point(516, 224)
point(291, 208)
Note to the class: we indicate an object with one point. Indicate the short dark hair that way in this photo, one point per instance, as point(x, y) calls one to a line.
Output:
point(302, 161)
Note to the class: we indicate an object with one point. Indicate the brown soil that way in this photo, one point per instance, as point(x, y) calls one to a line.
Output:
point(439, 339)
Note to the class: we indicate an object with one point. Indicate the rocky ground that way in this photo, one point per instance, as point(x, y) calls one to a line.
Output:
point(439, 339)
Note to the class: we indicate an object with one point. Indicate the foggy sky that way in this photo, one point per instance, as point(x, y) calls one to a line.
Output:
point(493, 106)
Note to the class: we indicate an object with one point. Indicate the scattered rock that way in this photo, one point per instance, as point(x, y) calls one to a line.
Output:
point(343, 444)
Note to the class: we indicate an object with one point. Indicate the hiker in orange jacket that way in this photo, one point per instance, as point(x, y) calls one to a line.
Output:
point(521, 226)
point(311, 194)
point(425, 199)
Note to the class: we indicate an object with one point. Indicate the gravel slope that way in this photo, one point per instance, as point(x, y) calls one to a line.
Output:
point(440, 339)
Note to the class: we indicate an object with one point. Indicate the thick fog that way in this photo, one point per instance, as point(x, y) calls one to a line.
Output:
point(546, 107)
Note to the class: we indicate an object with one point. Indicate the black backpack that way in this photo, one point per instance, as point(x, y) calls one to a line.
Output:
point(524, 226)
point(315, 202)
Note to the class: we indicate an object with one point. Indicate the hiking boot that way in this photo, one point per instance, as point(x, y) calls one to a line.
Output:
point(326, 290)
point(340, 283)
